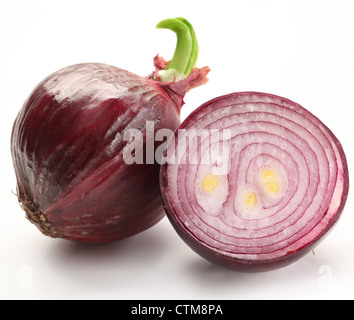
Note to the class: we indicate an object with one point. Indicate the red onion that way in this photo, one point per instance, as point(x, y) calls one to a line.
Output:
point(76, 177)
point(253, 181)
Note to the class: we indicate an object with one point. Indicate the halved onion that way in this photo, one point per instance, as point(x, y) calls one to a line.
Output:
point(253, 181)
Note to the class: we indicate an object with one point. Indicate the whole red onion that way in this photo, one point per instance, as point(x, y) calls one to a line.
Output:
point(253, 181)
point(76, 177)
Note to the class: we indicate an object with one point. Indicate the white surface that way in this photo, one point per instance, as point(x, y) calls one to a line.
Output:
point(302, 50)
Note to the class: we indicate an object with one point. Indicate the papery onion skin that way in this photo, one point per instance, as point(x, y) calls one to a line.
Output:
point(203, 238)
point(67, 148)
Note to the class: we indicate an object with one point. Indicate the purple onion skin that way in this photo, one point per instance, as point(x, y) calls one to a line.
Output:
point(67, 144)
point(221, 258)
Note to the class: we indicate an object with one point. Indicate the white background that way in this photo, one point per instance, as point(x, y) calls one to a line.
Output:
point(302, 50)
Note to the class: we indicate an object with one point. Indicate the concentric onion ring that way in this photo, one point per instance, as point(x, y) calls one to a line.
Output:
point(253, 181)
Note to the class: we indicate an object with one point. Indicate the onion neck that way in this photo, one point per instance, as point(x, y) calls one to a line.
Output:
point(178, 76)
point(186, 53)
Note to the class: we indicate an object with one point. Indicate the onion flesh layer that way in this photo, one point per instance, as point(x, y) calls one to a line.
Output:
point(256, 184)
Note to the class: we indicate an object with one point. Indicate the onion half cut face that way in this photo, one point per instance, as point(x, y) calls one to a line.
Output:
point(253, 181)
